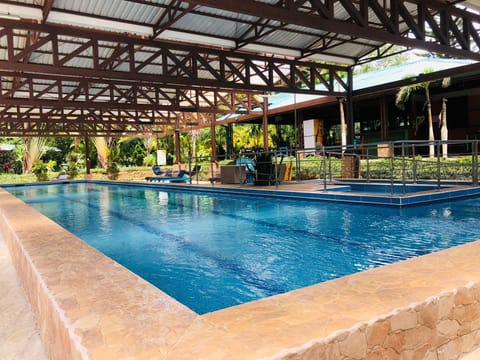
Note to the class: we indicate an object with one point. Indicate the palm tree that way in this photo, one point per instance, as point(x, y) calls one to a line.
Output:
point(404, 93)
point(402, 97)
point(101, 144)
point(444, 128)
point(254, 133)
point(343, 124)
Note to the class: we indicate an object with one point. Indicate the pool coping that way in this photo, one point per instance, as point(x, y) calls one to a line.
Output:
point(84, 314)
point(451, 192)
point(422, 197)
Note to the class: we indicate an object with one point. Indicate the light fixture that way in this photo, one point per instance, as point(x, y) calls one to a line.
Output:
point(331, 58)
point(265, 49)
point(18, 12)
point(196, 39)
point(9, 16)
point(80, 20)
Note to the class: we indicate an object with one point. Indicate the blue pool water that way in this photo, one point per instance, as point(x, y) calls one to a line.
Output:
point(396, 189)
point(215, 251)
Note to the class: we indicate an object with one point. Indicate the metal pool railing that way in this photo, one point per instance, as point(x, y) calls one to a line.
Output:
point(398, 163)
point(402, 163)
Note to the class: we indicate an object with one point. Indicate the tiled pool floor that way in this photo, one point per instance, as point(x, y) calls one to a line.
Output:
point(19, 337)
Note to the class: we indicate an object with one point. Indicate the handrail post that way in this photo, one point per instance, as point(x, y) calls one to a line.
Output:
point(391, 174)
point(475, 162)
point(368, 167)
point(330, 168)
point(276, 168)
point(414, 165)
point(324, 164)
point(403, 167)
point(438, 164)
point(189, 168)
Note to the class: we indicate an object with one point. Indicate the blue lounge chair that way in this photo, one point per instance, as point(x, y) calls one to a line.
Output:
point(176, 177)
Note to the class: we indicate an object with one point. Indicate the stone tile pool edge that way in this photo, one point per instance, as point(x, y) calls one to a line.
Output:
point(89, 307)
point(423, 197)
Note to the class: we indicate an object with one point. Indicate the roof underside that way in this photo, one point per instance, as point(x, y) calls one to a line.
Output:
point(108, 67)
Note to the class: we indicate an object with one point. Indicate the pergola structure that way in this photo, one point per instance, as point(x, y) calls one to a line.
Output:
point(109, 68)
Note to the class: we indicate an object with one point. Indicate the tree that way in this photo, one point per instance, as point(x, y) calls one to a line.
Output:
point(101, 144)
point(343, 124)
point(402, 97)
point(444, 128)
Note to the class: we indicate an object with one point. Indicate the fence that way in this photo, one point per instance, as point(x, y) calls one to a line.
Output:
point(397, 162)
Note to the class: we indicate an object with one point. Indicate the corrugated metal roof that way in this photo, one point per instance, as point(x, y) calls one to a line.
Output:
point(123, 16)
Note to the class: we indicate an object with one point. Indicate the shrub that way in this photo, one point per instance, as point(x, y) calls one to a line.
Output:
point(40, 169)
point(72, 164)
point(113, 155)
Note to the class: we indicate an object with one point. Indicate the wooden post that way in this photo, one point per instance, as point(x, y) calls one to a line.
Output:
point(213, 137)
point(265, 123)
point(87, 156)
point(176, 139)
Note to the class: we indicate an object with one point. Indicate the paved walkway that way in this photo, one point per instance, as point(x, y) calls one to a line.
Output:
point(19, 337)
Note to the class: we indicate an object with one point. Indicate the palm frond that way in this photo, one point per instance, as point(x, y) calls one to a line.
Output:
point(34, 147)
point(101, 144)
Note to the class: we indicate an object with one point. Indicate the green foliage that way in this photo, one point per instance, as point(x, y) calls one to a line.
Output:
point(72, 164)
point(40, 169)
point(131, 152)
point(113, 155)
point(418, 167)
point(404, 92)
point(150, 160)
point(7, 161)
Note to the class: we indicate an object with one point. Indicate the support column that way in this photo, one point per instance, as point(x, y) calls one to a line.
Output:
point(87, 156)
point(229, 141)
point(349, 109)
point(384, 119)
point(265, 123)
point(176, 140)
point(213, 138)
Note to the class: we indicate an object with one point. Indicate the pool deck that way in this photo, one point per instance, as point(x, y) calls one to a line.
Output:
point(426, 307)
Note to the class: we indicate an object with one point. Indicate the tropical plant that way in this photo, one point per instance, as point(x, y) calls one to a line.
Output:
point(40, 169)
point(131, 151)
point(113, 156)
point(255, 132)
point(402, 97)
point(443, 120)
point(150, 144)
point(7, 159)
point(72, 164)
point(343, 124)
point(101, 144)
point(33, 150)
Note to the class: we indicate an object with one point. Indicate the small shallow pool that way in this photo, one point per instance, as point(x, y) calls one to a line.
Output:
point(395, 189)
point(214, 251)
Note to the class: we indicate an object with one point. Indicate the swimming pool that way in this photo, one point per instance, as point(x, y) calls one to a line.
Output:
point(397, 189)
point(215, 251)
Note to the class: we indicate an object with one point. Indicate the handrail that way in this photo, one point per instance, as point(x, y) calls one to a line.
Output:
point(401, 164)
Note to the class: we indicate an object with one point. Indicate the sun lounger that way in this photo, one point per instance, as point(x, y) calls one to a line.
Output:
point(180, 176)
